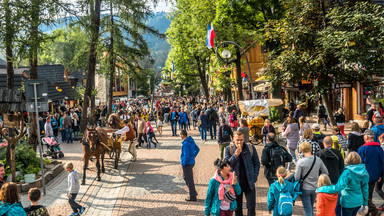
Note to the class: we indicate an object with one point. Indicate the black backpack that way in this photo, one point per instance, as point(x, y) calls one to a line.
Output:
point(226, 133)
point(213, 116)
point(278, 156)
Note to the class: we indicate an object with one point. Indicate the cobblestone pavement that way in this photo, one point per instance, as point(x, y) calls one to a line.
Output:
point(153, 185)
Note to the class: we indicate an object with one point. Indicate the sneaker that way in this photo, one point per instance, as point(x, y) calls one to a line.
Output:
point(82, 210)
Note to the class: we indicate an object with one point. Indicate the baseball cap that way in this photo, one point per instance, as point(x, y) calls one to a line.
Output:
point(369, 132)
point(316, 126)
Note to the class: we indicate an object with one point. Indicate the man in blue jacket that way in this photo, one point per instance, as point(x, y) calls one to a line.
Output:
point(245, 162)
point(189, 151)
point(372, 155)
point(183, 119)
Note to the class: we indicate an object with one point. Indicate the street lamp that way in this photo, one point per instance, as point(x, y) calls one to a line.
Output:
point(226, 58)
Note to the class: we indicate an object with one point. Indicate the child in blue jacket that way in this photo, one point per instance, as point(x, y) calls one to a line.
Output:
point(274, 190)
point(222, 190)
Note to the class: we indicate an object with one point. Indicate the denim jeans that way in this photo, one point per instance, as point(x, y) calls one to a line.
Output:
point(63, 137)
point(166, 117)
point(212, 129)
point(183, 126)
point(149, 138)
point(74, 205)
point(308, 197)
point(68, 133)
point(341, 211)
point(174, 127)
point(203, 133)
point(293, 153)
point(76, 134)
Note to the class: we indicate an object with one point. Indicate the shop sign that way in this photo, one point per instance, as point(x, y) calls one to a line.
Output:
point(11, 121)
point(343, 85)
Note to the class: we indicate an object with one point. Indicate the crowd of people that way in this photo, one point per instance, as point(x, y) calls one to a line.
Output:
point(333, 175)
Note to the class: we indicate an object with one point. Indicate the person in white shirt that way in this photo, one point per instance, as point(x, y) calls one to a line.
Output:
point(132, 147)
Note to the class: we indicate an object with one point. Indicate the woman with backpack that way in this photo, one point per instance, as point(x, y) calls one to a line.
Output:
point(222, 190)
point(281, 194)
point(308, 169)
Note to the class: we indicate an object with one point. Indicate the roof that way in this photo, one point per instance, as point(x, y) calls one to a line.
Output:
point(17, 71)
point(69, 92)
point(53, 73)
point(17, 80)
point(2, 62)
point(11, 100)
point(380, 2)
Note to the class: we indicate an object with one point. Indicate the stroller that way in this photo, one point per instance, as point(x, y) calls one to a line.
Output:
point(53, 147)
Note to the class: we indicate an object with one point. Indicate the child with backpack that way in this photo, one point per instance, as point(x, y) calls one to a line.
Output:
point(222, 190)
point(326, 200)
point(281, 195)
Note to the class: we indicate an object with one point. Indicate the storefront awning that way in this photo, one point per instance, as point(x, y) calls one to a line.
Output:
point(262, 87)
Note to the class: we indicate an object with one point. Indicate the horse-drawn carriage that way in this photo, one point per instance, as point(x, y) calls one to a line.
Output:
point(256, 111)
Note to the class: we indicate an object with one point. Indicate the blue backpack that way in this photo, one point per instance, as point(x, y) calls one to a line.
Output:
point(285, 203)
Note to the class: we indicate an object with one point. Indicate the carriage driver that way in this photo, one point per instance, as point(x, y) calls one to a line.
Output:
point(129, 134)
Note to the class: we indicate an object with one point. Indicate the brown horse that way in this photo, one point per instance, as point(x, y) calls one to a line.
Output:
point(114, 121)
point(92, 147)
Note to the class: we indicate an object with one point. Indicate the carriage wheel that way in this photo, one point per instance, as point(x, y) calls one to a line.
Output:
point(256, 138)
point(117, 155)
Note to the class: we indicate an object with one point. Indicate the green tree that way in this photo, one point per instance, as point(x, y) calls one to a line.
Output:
point(325, 42)
point(187, 36)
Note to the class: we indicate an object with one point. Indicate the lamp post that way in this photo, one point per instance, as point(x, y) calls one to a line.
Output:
point(226, 58)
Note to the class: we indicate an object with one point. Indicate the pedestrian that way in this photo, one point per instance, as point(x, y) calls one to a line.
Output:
point(275, 192)
point(222, 114)
point(34, 195)
point(336, 131)
point(273, 157)
point(48, 128)
point(303, 125)
point(244, 129)
point(73, 189)
point(174, 117)
point(55, 126)
point(204, 124)
point(129, 135)
point(378, 127)
point(150, 135)
point(321, 115)
point(222, 190)
point(309, 166)
point(292, 135)
point(364, 126)
point(140, 130)
point(355, 138)
point(245, 161)
point(225, 137)
point(336, 145)
point(372, 155)
point(340, 121)
point(75, 126)
point(308, 137)
point(10, 204)
point(67, 124)
point(317, 135)
point(326, 201)
point(160, 121)
point(233, 121)
point(213, 120)
point(189, 152)
point(352, 187)
point(379, 185)
point(332, 159)
point(267, 128)
point(183, 116)
point(370, 114)
point(298, 113)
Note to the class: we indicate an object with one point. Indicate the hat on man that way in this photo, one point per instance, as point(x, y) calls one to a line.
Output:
point(369, 132)
point(316, 126)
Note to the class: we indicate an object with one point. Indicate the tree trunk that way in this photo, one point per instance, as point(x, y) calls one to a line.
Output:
point(111, 65)
point(202, 76)
point(9, 36)
point(33, 133)
point(329, 109)
point(276, 94)
point(90, 84)
point(239, 80)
